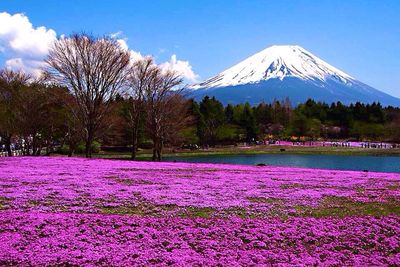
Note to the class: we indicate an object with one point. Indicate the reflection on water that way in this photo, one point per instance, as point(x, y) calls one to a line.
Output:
point(370, 163)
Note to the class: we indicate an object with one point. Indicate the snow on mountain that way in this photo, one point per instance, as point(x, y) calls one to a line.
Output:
point(289, 71)
point(278, 61)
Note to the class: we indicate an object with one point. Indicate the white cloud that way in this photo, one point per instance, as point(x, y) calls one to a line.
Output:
point(122, 43)
point(182, 67)
point(116, 34)
point(25, 47)
point(136, 56)
point(30, 66)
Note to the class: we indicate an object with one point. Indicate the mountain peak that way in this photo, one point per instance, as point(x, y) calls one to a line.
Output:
point(277, 62)
point(287, 71)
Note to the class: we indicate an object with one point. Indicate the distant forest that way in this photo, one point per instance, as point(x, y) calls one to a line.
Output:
point(210, 123)
point(217, 124)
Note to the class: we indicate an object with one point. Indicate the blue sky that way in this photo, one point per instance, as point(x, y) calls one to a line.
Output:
point(361, 38)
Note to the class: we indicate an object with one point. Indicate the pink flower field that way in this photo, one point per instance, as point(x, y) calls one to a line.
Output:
point(74, 211)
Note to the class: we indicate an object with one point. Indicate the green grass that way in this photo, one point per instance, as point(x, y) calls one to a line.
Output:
point(126, 210)
point(292, 150)
point(265, 200)
point(331, 206)
point(343, 206)
point(394, 187)
point(158, 210)
point(141, 210)
point(4, 203)
point(197, 212)
point(230, 150)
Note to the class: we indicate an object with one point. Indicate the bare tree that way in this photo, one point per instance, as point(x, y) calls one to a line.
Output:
point(94, 70)
point(141, 77)
point(164, 115)
point(14, 77)
point(177, 117)
point(11, 85)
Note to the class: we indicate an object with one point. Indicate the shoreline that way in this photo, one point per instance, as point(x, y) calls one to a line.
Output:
point(258, 150)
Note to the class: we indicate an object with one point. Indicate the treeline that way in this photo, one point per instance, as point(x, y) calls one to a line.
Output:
point(218, 124)
point(210, 123)
point(92, 93)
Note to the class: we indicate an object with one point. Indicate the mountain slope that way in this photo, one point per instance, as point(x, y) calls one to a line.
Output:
point(287, 71)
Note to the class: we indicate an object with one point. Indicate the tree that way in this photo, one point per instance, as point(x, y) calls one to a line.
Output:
point(393, 131)
point(197, 119)
point(314, 128)
point(94, 69)
point(229, 112)
point(177, 119)
point(11, 84)
point(61, 124)
point(393, 125)
point(299, 124)
point(33, 106)
point(364, 130)
point(166, 109)
point(140, 79)
point(212, 117)
point(248, 122)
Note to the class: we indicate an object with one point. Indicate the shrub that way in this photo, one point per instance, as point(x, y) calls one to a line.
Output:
point(96, 147)
point(80, 148)
point(64, 149)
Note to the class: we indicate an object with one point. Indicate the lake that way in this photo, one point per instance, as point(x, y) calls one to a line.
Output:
point(336, 162)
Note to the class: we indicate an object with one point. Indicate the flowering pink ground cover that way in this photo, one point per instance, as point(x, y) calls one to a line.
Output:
point(60, 211)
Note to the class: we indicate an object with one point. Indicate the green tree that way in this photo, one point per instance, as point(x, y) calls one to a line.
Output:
point(299, 125)
point(248, 123)
point(11, 87)
point(212, 116)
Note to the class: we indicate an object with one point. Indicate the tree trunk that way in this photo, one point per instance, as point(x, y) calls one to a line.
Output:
point(28, 147)
point(159, 151)
point(159, 154)
point(49, 147)
point(134, 142)
point(155, 149)
point(39, 150)
point(88, 148)
point(34, 145)
point(8, 145)
point(89, 140)
point(71, 150)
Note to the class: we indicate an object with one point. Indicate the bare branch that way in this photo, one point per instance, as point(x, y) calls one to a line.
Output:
point(94, 70)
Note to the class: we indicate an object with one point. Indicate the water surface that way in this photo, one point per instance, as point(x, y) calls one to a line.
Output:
point(336, 162)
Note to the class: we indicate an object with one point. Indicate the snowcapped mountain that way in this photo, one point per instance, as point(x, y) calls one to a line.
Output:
point(287, 71)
